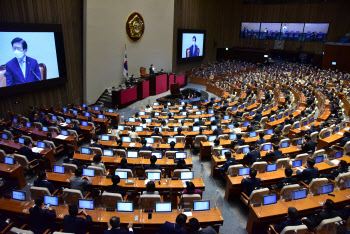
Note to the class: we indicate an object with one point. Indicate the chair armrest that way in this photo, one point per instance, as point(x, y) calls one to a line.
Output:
point(55, 192)
point(246, 197)
point(33, 161)
point(305, 185)
point(107, 172)
point(60, 146)
point(178, 200)
point(271, 229)
point(161, 198)
point(8, 227)
point(47, 231)
point(23, 226)
point(87, 195)
point(126, 197)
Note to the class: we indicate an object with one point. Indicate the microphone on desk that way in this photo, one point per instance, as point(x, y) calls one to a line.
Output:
point(32, 71)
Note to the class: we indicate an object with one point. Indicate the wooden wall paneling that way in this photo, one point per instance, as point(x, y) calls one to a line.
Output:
point(70, 15)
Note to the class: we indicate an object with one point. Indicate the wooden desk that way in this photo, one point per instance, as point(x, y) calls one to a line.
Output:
point(13, 147)
point(260, 217)
point(160, 146)
point(325, 142)
point(234, 187)
point(100, 217)
point(271, 125)
point(13, 172)
point(138, 186)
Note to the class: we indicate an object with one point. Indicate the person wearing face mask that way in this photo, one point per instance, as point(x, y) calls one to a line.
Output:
point(194, 50)
point(21, 69)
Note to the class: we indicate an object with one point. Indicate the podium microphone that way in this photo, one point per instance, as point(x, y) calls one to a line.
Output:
point(32, 71)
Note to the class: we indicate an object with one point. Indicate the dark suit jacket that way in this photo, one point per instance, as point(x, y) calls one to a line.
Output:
point(199, 123)
point(43, 121)
point(218, 131)
point(250, 184)
point(115, 189)
point(15, 74)
point(260, 141)
point(231, 161)
point(97, 145)
point(215, 122)
point(237, 142)
point(308, 174)
point(26, 151)
point(195, 54)
point(171, 228)
point(335, 173)
point(343, 141)
point(252, 157)
point(287, 181)
point(315, 220)
point(77, 225)
point(147, 148)
point(152, 166)
point(39, 221)
point(309, 146)
point(258, 117)
point(277, 154)
point(279, 227)
point(77, 129)
point(45, 184)
point(117, 231)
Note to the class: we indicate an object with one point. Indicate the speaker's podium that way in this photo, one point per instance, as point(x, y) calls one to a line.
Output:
point(175, 90)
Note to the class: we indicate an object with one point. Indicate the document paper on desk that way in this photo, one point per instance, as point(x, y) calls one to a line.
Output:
point(63, 124)
point(61, 137)
point(132, 145)
point(37, 150)
point(335, 161)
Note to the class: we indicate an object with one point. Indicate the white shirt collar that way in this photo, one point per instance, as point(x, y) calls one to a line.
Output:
point(24, 59)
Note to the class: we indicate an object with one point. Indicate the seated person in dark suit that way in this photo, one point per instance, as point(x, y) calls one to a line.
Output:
point(181, 164)
point(286, 122)
point(26, 151)
point(218, 131)
point(119, 145)
point(211, 103)
point(292, 220)
point(309, 145)
point(275, 154)
point(177, 227)
point(156, 132)
point(144, 146)
point(276, 137)
point(251, 183)
point(32, 117)
point(40, 218)
point(288, 180)
point(42, 182)
point(258, 116)
point(308, 173)
point(195, 227)
point(124, 164)
point(238, 142)
point(114, 227)
point(253, 156)
point(97, 143)
point(344, 140)
point(153, 164)
point(179, 132)
point(230, 161)
point(261, 139)
point(43, 120)
point(115, 188)
point(216, 120)
point(327, 213)
point(200, 122)
point(172, 147)
point(225, 106)
point(78, 182)
point(70, 159)
point(291, 119)
point(311, 130)
point(74, 224)
point(343, 168)
point(77, 128)
point(252, 127)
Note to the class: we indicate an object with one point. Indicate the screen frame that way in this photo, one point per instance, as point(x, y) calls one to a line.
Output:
point(60, 54)
point(180, 32)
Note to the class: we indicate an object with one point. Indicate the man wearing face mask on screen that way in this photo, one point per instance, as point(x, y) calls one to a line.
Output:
point(194, 50)
point(21, 69)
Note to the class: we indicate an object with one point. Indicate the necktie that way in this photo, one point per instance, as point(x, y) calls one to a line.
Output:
point(194, 50)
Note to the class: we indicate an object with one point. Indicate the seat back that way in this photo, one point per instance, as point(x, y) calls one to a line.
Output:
point(152, 170)
point(239, 149)
point(37, 192)
point(286, 128)
point(303, 157)
point(283, 163)
point(136, 139)
point(145, 153)
point(54, 129)
point(28, 137)
point(147, 202)
point(287, 190)
point(9, 134)
point(96, 150)
point(68, 167)
point(347, 148)
point(261, 147)
point(38, 125)
point(120, 152)
point(177, 172)
point(98, 170)
point(180, 139)
point(129, 171)
point(316, 183)
point(198, 139)
point(318, 153)
point(170, 154)
point(109, 200)
point(22, 160)
point(18, 230)
point(341, 179)
point(295, 124)
point(256, 197)
point(74, 134)
point(329, 225)
point(188, 199)
point(2, 155)
point(234, 169)
point(72, 196)
point(314, 136)
point(283, 140)
point(157, 139)
point(263, 121)
point(223, 137)
point(260, 166)
point(51, 145)
point(295, 229)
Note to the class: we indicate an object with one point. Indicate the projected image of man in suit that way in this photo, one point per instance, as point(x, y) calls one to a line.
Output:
point(194, 50)
point(21, 69)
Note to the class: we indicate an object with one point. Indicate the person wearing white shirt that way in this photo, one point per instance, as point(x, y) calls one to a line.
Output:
point(133, 134)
